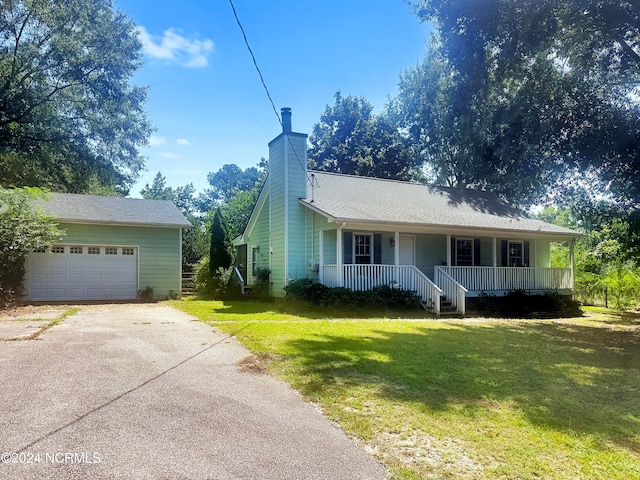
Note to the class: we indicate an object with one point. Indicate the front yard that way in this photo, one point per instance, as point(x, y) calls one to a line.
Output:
point(464, 398)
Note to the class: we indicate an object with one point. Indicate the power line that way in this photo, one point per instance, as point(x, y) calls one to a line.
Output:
point(266, 89)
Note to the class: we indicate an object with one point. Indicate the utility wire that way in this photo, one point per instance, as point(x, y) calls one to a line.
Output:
point(266, 89)
point(255, 63)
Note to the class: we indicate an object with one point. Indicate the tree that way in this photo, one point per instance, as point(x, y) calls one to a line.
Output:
point(536, 89)
point(22, 229)
point(68, 113)
point(349, 138)
point(238, 209)
point(219, 256)
point(194, 245)
point(228, 181)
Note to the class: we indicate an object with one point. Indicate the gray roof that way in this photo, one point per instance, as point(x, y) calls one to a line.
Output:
point(76, 208)
point(372, 200)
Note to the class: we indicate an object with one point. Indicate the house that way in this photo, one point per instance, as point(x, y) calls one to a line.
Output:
point(113, 248)
point(446, 244)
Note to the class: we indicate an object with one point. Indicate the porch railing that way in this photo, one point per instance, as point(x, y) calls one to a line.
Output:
point(453, 290)
point(482, 279)
point(367, 277)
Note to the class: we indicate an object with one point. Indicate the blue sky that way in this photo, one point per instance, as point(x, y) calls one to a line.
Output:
point(205, 97)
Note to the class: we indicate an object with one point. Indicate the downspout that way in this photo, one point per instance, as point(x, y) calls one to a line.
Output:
point(572, 262)
point(339, 255)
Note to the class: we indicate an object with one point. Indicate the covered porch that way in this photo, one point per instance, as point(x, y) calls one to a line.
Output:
point(443, 269)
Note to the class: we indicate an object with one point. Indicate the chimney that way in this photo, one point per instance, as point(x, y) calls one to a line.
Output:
point(286, 119)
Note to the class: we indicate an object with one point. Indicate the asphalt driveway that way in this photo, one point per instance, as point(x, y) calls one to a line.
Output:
point(146, 391)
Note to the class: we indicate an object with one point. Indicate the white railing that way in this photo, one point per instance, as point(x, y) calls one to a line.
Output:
point(367, 277)
point(485, 279)
point(451, 289)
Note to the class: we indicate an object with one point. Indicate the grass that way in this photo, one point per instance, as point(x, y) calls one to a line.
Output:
point(466, 398)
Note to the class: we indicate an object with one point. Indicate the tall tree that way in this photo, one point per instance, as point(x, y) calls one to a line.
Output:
point(23, 227)
point(226, 182)
point(544, 89)
point(349, 138)
point(194, 244)
point(68, 112)
point(219, 256)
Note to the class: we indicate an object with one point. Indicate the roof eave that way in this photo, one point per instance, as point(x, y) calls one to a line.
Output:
point(463, 227)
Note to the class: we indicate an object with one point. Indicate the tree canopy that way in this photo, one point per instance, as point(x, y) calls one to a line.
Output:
point(350, 139)
point(69, 115)
point(534, 94)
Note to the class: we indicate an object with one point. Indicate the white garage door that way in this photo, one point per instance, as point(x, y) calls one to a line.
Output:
point(82, 272)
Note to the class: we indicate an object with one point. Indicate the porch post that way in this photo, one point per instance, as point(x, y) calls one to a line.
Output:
point(494, 259)
point(396, 249)
point(339, 249)
point(321, 256)
point(448, 250)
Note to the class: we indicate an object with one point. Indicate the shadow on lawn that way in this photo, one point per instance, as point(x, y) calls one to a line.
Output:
point(563, 377)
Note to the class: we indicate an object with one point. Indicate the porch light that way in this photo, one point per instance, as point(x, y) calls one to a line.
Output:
point(392, 242)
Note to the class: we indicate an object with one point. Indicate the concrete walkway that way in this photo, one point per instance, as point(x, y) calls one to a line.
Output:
point(146, 391)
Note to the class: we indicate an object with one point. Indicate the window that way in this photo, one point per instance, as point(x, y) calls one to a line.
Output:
point(515, 254)
point(464, 252)
point(57, 249)
point(362, 249)
point(93, 250)
point(75, 250)
point(110, 251)
point(254, 260)
point(40, 250)
point(128, 251)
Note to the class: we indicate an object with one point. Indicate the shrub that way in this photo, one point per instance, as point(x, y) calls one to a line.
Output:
point(518, 303)
point(211, 284)
point(22, 229)
point(382, 296)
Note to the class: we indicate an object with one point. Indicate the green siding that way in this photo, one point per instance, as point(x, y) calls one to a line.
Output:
point(431, 250)
point(159, 262)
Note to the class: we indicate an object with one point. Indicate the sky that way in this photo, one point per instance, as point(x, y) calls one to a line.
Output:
point(206, 100)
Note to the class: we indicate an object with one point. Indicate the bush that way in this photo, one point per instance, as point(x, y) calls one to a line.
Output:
point(211, 285)
point(518, 303)
point(22, 229)
point(382, 296)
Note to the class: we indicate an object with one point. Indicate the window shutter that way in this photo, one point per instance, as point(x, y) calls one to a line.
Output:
point(453, 251)
point(377, 248)
point(505, 253)
point(526, 254)
point(347, 247)
point(476, 252)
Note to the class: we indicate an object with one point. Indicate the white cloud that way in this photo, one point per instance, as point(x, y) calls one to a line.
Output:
point(174, 47)
point(186, 171)
point(157, 141)
point(169, 155)
point(183, 141)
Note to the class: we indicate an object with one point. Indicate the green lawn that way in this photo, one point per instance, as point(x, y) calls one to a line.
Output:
point(466, 398)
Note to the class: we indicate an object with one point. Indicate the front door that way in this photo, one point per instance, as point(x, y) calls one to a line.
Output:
point(407, 250)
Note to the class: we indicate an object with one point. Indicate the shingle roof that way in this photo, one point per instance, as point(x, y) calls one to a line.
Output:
point(365, 199)
point(76, 208)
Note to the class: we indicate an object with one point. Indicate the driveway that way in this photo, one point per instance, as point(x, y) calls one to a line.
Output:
point(146, 391)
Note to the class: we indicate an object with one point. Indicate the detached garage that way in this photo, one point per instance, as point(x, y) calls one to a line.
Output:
point(113, 248)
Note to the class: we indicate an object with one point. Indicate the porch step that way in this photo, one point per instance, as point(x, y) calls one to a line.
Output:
point(249, 291)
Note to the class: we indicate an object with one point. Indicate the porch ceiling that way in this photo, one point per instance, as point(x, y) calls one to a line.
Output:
point(395, 205)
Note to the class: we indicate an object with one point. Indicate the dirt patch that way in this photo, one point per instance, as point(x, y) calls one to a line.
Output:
point(431, 456)
point(258, 363)
point(33, 312)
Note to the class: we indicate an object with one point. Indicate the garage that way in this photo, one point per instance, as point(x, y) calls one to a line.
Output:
point(82, 272)
point(111, 248)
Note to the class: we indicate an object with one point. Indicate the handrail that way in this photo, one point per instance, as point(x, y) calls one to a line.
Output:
point(424, 292)
point(457, 300)
point(239, 275)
